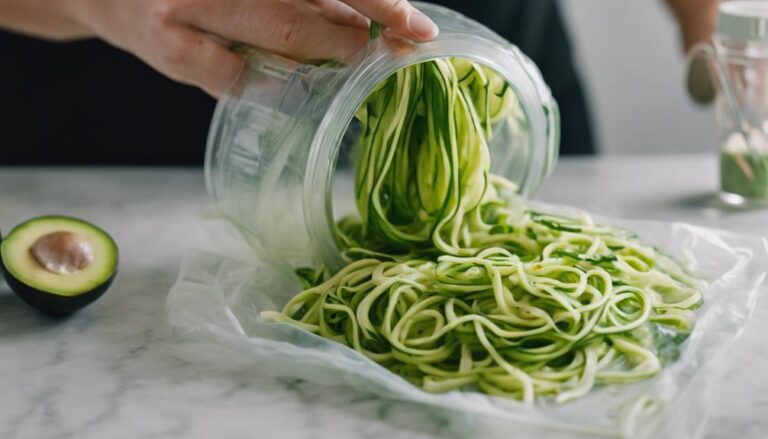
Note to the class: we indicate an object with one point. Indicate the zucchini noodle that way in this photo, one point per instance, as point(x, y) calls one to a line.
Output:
point(453, 284)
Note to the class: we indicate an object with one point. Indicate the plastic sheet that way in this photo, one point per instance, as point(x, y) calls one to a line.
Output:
point(215, 304)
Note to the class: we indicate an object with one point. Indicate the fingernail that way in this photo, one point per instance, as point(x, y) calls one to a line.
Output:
point(421, 25)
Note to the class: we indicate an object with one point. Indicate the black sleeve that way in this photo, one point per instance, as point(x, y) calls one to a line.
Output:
point(537, 28)
point(89, 103)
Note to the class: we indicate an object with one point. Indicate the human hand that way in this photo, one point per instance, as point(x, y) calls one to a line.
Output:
point(697, 20)
point(188, 40)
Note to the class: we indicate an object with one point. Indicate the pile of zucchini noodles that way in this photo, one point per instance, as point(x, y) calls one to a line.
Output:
point(453, 284)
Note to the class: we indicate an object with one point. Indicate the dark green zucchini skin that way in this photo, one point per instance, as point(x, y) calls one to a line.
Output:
point(50, 303)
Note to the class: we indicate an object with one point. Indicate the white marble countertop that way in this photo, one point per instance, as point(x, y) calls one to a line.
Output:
point(109, 370)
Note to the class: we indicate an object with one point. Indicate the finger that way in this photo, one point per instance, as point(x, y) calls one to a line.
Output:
point(333, 11)
point(278, 28)
point(343, 14)
point(390, 34)
point(194, 58)
point(397, 42)
point(398, 15)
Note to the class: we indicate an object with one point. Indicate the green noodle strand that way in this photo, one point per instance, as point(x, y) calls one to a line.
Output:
point(453, 284)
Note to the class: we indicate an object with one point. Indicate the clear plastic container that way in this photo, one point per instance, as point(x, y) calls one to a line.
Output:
point(740, 56)
point(276, 137)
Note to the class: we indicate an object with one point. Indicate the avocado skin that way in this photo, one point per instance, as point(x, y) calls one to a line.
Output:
point(53, 303)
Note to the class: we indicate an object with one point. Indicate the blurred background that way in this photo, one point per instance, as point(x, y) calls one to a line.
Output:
point(88, 103)
point(633, 69)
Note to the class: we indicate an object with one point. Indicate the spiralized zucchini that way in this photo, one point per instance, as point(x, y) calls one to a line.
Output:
point(453, 284)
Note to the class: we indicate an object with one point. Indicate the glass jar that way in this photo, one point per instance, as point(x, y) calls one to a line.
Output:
point(276, 137)
point(740, 58)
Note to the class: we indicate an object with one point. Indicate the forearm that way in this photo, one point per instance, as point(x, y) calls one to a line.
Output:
point(49, 19)
point(697, 19)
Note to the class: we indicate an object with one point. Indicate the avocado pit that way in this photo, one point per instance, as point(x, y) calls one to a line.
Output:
point(62, 252)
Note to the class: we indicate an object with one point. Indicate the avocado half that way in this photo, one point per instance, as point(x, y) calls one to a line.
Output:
point(58, 264)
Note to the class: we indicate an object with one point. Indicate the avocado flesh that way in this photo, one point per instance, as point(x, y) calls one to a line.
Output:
point(54, 292)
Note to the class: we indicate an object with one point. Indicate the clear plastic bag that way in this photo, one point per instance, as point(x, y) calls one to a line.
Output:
point(215, 304)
